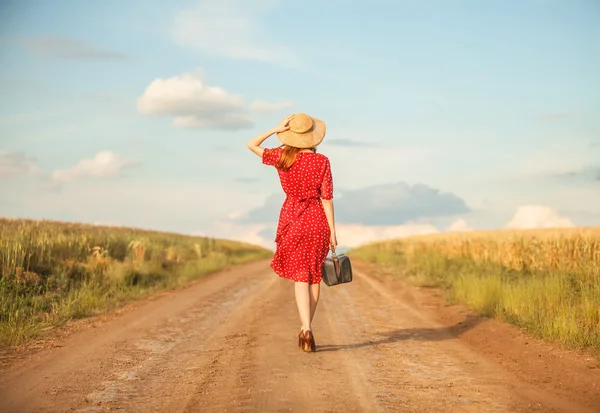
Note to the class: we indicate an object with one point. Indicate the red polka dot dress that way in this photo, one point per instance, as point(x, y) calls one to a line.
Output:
point(303, 235)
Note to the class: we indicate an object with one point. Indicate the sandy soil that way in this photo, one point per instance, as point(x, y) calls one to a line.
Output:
point(229, 343)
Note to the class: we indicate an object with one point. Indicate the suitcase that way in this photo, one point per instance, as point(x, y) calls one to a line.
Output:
point(336, 270)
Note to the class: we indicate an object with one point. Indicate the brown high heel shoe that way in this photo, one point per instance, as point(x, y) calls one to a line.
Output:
point(300, 339)
point(308, 344)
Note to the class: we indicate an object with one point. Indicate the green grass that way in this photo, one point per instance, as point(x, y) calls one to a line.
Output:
point(53, 272)
point(561, 305)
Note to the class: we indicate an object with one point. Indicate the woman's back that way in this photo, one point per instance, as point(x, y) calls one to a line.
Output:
point(308, 177)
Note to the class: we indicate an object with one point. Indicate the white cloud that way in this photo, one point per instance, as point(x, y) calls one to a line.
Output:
point(266, 107)
point(354, 235)
point(232, 29)
point(193, 103)
point(105, 164)
point(251, 234)
point(458, 225)
point(186, 95)
point(538, 216)
point(17, 163)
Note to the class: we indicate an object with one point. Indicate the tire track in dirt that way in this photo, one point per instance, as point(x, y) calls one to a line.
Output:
point(229, 343)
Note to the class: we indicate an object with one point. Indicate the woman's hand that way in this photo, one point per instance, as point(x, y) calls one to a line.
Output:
point(284, 125)
point(254, 144)
point(333, 241)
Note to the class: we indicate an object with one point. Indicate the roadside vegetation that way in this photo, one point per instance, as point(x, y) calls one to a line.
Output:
point(545, 281)
point(52, 272)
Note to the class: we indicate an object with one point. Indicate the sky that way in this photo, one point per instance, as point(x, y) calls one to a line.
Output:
point(441, 115)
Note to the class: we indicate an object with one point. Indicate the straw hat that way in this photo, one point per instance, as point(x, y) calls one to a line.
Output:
point(304, 132)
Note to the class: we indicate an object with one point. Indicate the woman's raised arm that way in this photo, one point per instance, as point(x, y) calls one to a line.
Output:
point(254, 143)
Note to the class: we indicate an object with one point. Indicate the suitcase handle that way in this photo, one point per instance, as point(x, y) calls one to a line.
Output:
point(336, 264)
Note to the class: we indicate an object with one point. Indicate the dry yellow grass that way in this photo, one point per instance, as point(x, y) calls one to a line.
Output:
point(573, 249)
point(547, 281)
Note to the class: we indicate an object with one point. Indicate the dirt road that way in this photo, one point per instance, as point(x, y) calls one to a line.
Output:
point(228, 343)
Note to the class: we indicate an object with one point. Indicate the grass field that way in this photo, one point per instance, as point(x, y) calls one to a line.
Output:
point(52, 272)
point(545, 281)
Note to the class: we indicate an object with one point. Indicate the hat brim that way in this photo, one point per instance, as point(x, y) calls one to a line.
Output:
point(305, 140)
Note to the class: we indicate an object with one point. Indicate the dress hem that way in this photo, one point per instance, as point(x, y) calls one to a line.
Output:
point(281, 275)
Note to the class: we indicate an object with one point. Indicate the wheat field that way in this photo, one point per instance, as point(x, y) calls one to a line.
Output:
point(545, 281)
point(52, 272)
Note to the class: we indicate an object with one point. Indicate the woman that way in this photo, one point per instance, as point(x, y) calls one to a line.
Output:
point(306, 227)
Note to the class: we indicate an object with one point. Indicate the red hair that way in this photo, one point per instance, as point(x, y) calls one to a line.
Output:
point(288, 157)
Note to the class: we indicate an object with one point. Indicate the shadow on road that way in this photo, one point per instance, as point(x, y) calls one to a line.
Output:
point(415, 334)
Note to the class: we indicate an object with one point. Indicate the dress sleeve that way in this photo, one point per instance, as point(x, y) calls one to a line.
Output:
point(327, 183)
point(270, 156)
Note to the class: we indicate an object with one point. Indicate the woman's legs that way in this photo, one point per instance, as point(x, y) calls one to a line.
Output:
point(307, 298)
point(303, 302)
point(314, 290)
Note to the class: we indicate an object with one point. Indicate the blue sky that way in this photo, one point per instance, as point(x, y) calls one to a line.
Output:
point(441, 115)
